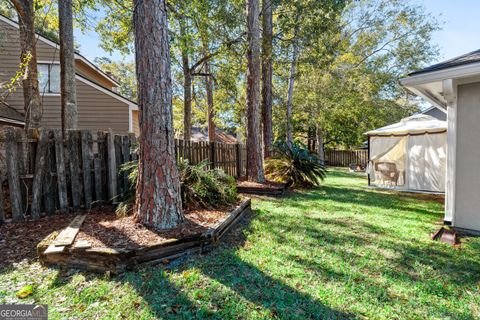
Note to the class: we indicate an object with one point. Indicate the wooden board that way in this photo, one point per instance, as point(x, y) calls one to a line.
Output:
point(67, 236)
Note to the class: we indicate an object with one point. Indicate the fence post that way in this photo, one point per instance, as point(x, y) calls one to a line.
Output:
point(97, 170)
point(212, 154)
point(112, 166)
point(239, 160)
point(86, 142)
point(38, 174)
point(61, 177)
point(2, 210)
point(12, 173)
point(126, 158)
point(49, 194)
point(74, 157)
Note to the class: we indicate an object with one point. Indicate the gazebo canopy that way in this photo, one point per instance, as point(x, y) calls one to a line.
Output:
point(416, 124)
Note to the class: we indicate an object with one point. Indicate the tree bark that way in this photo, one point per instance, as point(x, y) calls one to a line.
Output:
point(187, 86)
point(291, 82)
point(254, 141)
point(31, 93)
point(267, 71)
point(211, 110)
point(319, 143)
point(158, 201)
point(67, 67)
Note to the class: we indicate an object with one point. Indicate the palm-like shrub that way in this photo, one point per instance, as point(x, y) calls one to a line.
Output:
point(295, 166)
point(208, 188)
point(200, 186)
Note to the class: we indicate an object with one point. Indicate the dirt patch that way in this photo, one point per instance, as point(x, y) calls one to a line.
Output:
point(105, 229)
point(266, 185)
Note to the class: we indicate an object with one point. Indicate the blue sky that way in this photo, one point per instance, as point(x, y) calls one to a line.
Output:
point(460, 30)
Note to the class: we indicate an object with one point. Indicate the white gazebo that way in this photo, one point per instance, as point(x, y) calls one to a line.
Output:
point(454, 85)
point(409, 155)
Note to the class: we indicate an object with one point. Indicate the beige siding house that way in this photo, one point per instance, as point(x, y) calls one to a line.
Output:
point(99, 106)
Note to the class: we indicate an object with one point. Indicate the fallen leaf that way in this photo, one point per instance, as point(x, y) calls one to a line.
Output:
point(25, 291)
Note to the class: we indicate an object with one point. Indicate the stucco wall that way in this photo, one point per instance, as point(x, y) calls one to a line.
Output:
point(467, 202)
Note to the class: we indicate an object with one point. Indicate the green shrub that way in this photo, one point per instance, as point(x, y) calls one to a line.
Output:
point(205, 187)
point(200, 186)
point(295, 166)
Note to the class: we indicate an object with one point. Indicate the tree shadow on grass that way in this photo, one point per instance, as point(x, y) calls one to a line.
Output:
point(368, 198)
point(167, 298)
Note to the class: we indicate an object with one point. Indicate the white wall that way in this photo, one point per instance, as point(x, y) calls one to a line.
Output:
point(467, 195)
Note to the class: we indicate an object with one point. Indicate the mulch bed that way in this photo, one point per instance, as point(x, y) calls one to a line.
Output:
point(107, 243)
point(266, 185)
point(102, 228)
point(18, 241)
point(107, 230)
point(268, 188)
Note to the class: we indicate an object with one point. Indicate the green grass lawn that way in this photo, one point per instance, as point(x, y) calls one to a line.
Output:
point(340, 251)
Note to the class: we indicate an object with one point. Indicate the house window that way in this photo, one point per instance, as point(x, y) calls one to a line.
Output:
point(49, 78)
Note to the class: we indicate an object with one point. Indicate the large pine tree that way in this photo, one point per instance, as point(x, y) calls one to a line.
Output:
point(158, 201)
point(67, 66)
point(254, 135)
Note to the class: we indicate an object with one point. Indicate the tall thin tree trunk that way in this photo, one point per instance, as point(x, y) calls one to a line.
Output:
point(267, 71)
point(254, 141)
point(187, 87)
point(319, 143)
point(211, 110)
point(67, 66)
point(158, 201)
point(291, 82)
point(31, 93)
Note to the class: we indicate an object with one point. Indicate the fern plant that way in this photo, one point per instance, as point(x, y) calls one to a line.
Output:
point(295, 166)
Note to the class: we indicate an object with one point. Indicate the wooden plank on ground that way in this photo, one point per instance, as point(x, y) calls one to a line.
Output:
point(67, 236)
point(52, 249)
point(61, 175)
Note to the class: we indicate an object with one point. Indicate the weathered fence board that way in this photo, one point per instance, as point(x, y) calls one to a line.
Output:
point(48, 172)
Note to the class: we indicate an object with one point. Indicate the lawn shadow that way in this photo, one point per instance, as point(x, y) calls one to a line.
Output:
point(167, 300)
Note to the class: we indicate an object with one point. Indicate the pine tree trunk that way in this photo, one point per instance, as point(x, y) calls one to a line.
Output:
point(254, 140)
point(291, 80)
point(67, 67)
point(187, 88)
point(31, 93)
point(211, 110)
point(267, 71)
point(158, 202)
point(319, 143)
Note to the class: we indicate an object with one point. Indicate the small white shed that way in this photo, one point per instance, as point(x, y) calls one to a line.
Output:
point(409, 155)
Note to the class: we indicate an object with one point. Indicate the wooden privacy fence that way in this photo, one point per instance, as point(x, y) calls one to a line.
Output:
point(231, 158)
point(47, 172)
point(344, 158)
